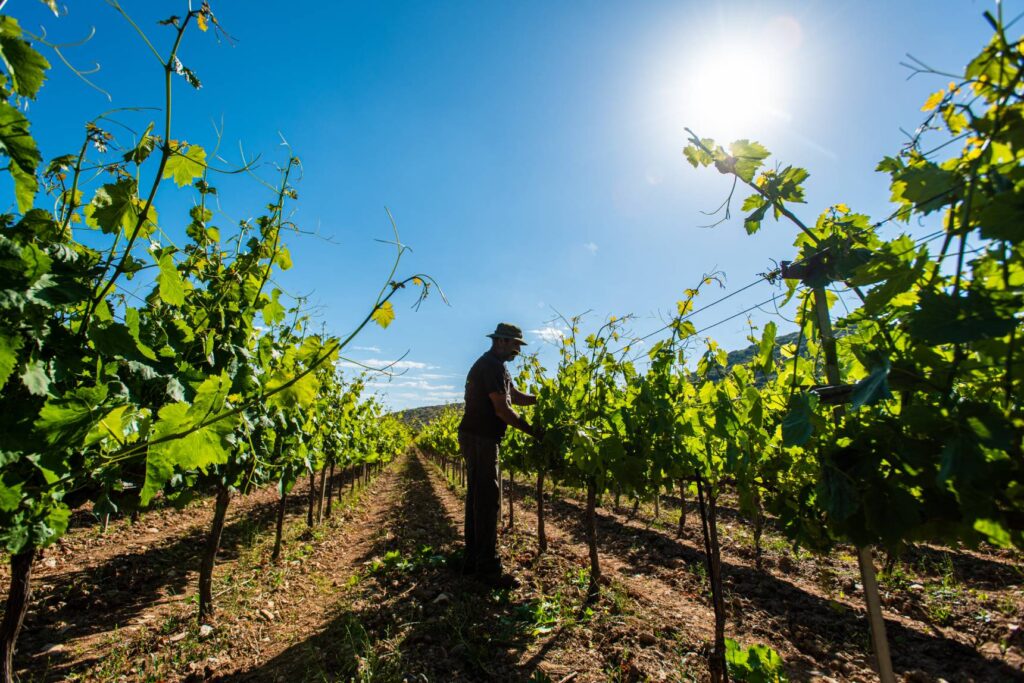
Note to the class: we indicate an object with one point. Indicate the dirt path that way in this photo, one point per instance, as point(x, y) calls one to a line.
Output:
point(374, 593)
point(797, 605)
point(119, 603)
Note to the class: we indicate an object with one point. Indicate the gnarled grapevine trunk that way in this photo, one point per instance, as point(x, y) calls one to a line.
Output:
point(542, 537)
point(320, 496)
point(758, 529)
point(708, 518)
point(330, 490)
point(281, 504)
point(210, 554)
point(312, 499)
point(591, 523)
point(17, 604)
point(682, 508)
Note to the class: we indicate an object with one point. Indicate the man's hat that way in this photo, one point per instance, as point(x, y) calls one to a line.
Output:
point(507, 331)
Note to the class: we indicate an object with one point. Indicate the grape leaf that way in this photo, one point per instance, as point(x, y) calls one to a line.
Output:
point(185, 167)
point(172, 288)
point(9, 346)
point(26, 67)
point(198, 448)
point(384, 314)
point(68, 419)
point(17, 143)
point(36, 379)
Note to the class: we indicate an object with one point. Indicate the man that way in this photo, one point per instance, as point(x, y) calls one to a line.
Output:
point(489, 399)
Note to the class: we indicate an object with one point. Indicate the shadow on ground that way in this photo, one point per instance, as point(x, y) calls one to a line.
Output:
point(814, 624)
point(111, 595)
point(411, 616)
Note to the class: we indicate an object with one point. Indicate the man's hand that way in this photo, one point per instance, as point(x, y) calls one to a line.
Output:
point(506, 414)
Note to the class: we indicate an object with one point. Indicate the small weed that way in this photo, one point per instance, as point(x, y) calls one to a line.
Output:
point(896, 578)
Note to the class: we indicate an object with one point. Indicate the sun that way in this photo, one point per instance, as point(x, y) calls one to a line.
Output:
point(734, 84)
point(734, 94)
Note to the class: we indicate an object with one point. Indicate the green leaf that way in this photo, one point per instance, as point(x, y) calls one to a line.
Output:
point(873, 388)
point(9, 346)
point(384, 314)
point(283, 258)
point(752, 223)
point(25, 66)
point(749, 156)
point(185, 167)
point(273, 311)
point(766, 347)
point(697, 156)
point(36, 378)
point(113, 207)
point(118, 339)
point(67, 420)
point(17, 143)
point(926, 186)
point(942, 318)
point(10, 496)
point(797, 426)
point(210, 397)
point(147, 143)
point(302, 393)
point(187, 447)
point(995, 532)
point(171, 286)
point(840, 498)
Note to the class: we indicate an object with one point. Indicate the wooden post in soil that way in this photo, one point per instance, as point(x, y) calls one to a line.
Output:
point(330, 489)
point(657, 501)
point(879, 639)
point(542, 537)
point(17, 605)
point(709, 521)
point(591, 524)
point(682, 508)
point(210, 553)
point(352, 481)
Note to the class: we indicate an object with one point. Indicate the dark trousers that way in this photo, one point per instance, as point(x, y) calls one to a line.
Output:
point(481, 530)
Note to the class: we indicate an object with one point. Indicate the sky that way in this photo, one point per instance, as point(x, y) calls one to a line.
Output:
point(530, 152)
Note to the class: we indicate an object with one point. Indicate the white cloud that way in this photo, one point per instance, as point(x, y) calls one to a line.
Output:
point(431, 375)
point(404, 383)
point(549, 334)
point(591, 247)
point(379, 364)
point(370, 349)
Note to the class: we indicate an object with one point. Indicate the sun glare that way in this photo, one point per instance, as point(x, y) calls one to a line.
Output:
point(735, 86)
point(733, 95)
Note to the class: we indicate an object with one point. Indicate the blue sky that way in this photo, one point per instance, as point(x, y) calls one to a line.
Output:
point(530, 152)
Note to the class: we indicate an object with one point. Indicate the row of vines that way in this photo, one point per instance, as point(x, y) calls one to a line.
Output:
point(142, 362)
point(900, 422)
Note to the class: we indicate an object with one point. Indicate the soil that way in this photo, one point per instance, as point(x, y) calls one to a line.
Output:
point(375, 592)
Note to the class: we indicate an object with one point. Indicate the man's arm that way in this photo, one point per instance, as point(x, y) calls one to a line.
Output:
point(507, 415)
point(521, 399)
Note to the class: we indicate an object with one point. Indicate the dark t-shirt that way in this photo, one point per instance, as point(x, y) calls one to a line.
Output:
point(487, 375)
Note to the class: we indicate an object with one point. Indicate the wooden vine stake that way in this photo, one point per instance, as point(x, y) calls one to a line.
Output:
point(867, 566)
